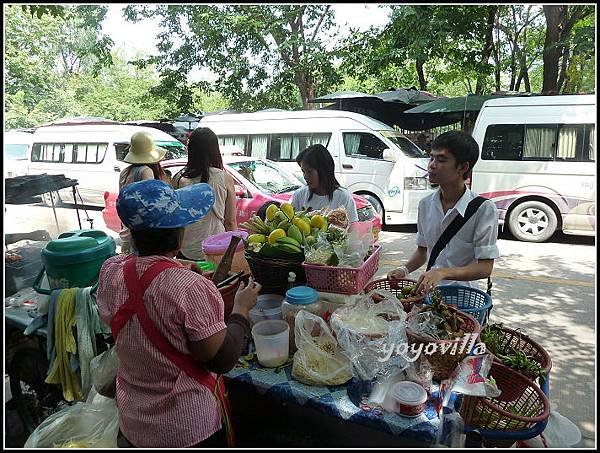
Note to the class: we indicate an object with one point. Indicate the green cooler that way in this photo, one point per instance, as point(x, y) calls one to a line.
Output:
point(74, 259)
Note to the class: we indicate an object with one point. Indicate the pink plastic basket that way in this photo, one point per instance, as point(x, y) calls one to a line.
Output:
point(342, 280)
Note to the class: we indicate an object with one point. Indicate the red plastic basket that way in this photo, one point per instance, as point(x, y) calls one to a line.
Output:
point(395, 287)
point(519, 396)
point(514, 339)
point(342, 280)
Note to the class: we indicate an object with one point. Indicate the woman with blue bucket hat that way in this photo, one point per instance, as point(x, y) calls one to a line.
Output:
point(168, 324)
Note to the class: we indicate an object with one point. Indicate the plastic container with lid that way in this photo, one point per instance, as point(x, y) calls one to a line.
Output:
point(74, 259)
point(296, 299)
point(409, 398)
point(268, 306)
point(214, 247)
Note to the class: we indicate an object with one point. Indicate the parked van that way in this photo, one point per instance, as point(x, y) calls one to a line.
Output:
point(538, 163)
point(92, 154)
point(16, 152)
point(371, 159)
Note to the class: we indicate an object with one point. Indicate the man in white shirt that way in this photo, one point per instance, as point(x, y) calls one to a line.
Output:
point(470, 253)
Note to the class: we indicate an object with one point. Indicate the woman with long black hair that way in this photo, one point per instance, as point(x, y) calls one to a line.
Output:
point(205, 165)
point(322, 189)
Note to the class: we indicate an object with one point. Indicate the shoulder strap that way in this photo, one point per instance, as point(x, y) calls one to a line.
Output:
point(183, 361)
point(137, 173)
point(453, 228)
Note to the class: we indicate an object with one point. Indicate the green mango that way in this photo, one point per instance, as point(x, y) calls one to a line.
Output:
point(295, 233)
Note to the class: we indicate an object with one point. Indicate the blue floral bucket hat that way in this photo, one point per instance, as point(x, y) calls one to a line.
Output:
point(155, 204)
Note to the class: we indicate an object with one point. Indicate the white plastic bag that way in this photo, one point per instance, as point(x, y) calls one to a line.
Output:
point(93, 424)
point(103, 368)
point(560, 432)
point(373, 335)
point(319, 360)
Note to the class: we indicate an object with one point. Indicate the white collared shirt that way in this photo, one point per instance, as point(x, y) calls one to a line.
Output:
point(474, 241)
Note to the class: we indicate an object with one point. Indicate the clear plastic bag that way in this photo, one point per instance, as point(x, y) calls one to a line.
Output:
point(319, 360)
point(321, 252)
point(93, 424)
point(103, 369)
point(373, 335)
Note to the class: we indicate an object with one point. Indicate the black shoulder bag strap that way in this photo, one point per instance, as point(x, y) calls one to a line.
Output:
point(452, 229)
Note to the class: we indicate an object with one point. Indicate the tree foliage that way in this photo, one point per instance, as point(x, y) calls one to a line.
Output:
point(263, 55)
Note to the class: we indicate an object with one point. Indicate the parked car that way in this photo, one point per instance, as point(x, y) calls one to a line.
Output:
point(177, 132)
point(256, 182)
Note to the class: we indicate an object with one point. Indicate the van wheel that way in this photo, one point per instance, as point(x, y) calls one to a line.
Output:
point(532, 221)
point(375, 203)
point(48, 202)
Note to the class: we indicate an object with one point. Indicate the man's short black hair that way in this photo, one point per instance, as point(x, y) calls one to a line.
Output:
point(156, 241)
point(461, 145)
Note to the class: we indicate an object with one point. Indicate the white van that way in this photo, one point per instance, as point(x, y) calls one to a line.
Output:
point(538, 163)
point(16, 152)
point(92, 154)
point(371, 159)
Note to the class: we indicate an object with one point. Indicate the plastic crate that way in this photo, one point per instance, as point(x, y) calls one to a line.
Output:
point(342, 280)
point(466, 299)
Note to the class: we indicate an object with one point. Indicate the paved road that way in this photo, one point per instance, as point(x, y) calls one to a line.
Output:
point(547, 290)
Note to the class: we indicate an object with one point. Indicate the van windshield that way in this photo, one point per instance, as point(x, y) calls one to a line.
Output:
point(175, 149)
point(404, 144)
point(16, 151)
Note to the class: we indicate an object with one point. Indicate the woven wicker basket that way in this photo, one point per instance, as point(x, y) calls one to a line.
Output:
point(395, 287)
point(443, 364)
point(272, 273)
point(521, 342)
point(519, 395)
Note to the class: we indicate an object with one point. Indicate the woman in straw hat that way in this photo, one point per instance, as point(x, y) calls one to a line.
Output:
point(144, 157)
point(205, 165)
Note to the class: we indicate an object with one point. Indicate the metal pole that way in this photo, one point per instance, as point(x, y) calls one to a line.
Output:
point(54, 210)
point(76, 208)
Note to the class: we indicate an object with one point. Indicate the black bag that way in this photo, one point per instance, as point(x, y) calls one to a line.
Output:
point(452, 229)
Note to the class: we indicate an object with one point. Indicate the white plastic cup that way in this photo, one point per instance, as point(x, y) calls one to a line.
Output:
point(410, 398)
point(272, 342)
point(268, 306)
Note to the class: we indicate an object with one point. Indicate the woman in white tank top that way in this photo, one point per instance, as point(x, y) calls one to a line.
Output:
point(205, 164)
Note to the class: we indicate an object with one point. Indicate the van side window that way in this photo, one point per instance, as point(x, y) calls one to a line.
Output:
point(540, 142)
point(237, 140)
point(69, 152)
point(358, 144)
point(286, 147)
point(259, 145)
point(121, 149)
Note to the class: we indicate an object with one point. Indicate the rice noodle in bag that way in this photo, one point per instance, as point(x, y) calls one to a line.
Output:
point(318, 360)
point(373, 335)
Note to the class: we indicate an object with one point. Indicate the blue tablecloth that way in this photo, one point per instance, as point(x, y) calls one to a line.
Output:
point(336, 402)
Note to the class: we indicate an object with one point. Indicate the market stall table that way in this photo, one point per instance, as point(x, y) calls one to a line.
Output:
point(269, 406)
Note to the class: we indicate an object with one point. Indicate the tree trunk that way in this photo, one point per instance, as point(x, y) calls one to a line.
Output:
point(563, 66)
point(497, 54)
point(555, 21)
point(526, 80)
point(307, 89)
point(421, 73)
point(488, 47)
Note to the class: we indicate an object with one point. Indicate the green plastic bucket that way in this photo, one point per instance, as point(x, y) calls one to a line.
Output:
point(74, 259)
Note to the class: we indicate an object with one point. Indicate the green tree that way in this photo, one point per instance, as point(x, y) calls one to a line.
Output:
point(560, 20)
point(262, 55)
